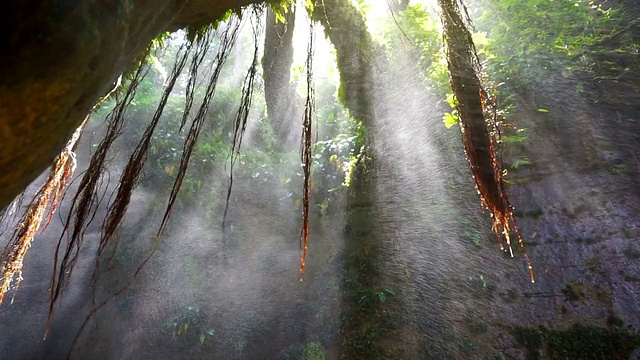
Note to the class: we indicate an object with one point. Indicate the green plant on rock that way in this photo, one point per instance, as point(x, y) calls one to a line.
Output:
point(529, 40)
point(313, 351)
point(419, 39)
point(190, 325)
point(582, 342)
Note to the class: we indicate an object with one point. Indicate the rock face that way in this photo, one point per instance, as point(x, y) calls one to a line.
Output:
point(60, 58)
point(578, 205)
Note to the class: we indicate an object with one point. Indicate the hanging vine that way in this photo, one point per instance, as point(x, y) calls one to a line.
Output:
point(240, 123)
point(227, 40)
point(306, 151)
point(48, 196)
point(86, 198)
point(478, 116)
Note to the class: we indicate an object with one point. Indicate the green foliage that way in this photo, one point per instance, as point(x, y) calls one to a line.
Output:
point(335, 158)
point(369, 312)
point(573, 291)
point(313, 351)
point(189, 325)
point(520, 136)
point(470, 230)
point(529, 40)
point(520, 162)
point(342, 141)
point(578, 342)
point(281, 7)
point(513, 142)
point(451, 118)
point(631, 252)
point(212, 148)
point(416, 36)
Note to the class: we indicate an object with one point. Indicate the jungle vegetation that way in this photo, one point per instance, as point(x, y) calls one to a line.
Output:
point(480, 70)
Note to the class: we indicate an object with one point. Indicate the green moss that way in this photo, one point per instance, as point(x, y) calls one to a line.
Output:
point(619, 169)
point(630, 232)
point(468, 347)
point(631, 252)
point(601, 296)
point(578, 342)
point(368, 318)
point(579, 292)
point(313, 351)
point(614, 320)
point(593, 264)
point(510, 296)
point(574, 291)
point(531, 213)
point(563, 309)
point(518, 181)
point(530, 339)
point(476, 326)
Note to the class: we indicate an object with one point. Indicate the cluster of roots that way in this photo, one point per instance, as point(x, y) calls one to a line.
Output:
point(478, 118)
point(477, 113)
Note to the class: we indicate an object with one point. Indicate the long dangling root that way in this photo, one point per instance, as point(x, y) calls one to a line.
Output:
point(477, 112)
point(48, 195)
point(227, 40)
point(131, 174)
point(240, 123)
point(306, 152)
point(85, 200)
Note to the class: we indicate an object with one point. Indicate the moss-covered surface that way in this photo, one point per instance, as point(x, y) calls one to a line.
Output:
point(578, 342)
point(578, 291)
point(367, 315)
point(345, 26)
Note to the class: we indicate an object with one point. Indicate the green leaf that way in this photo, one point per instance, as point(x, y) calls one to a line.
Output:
point(157, 65)
point(202, 337)
point(389, 291)
point(382, 296)
point(279, 17)
point(449, 119)
point(543, 110)
point(451, 100)
point(308, 4)
point(521, 162)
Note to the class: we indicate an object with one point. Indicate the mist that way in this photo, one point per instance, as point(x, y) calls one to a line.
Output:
point(402, 262)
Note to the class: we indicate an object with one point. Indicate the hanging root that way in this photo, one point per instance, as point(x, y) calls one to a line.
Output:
point(48, 195)
point(240, 123)
point(85, 200)
point(131, 175)
point(202, 42)
point(227, 40)
point(478, 114)
point(306, 152)
point(132, 172)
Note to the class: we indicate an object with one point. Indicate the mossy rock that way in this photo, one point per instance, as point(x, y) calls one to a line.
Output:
point(580, 342)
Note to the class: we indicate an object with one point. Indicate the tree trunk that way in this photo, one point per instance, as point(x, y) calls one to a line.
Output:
point(345, 26)
point(283, 103)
